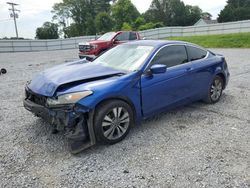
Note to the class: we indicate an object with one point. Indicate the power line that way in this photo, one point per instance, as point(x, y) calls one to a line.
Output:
point(14, 14)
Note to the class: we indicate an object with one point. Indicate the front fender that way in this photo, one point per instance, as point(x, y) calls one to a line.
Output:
point(131, 95)
point(218, 70)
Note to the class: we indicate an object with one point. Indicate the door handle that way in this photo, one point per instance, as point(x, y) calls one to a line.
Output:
point(189, 69)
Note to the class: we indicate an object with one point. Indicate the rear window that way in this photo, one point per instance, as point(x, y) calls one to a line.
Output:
point(195, 53)
point(132, 36)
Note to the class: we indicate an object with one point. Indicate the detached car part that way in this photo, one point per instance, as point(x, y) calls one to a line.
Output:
point(3, 71)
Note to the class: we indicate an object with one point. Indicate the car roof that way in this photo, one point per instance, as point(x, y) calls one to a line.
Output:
point(159, 43)
point(125, 31)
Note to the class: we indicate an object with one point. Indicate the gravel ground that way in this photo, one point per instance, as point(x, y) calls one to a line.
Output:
point(197, 145)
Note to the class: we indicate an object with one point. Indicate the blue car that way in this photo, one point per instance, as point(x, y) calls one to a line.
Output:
point(100, 101)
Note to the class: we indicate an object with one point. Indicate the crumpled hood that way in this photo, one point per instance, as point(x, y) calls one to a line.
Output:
point(47, 82)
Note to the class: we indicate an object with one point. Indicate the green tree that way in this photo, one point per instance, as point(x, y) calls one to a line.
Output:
point(47, 31)
point(61, 14)
point(158, 11)
point(235, 10)
point(178, 13)
point(103, 22)
point(71, 31)
point(81, 13)
point(123, 11)
point(172, 13)
point(206, 16)
point(150, 25)
point(126, 27)
point(194, 13)
point(138, 22)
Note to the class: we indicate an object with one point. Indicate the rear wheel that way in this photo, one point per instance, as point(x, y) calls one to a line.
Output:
point(215, 90)
point(113, 121)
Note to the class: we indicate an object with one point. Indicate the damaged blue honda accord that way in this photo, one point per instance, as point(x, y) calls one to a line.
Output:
point(103, 99)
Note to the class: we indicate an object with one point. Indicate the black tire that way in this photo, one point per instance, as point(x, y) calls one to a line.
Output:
point(105, 120)
point(215, 90)
point(3, 71)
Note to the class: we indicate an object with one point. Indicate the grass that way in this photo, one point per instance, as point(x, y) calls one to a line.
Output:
point(238, 40)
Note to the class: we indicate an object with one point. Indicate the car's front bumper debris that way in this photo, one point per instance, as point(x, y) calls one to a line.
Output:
point(75, 120)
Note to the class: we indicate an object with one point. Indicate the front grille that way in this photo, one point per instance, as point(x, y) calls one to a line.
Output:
point(37, 99)
point(84, 48)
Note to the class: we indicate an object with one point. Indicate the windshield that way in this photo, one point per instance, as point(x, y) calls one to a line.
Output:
point(107, 36)
point(125, 57)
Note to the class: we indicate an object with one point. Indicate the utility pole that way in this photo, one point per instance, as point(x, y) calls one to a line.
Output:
point(14, 14)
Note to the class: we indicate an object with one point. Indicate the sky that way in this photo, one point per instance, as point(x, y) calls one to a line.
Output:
point(35, 12)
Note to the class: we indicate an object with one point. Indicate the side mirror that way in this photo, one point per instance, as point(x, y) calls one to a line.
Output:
point(158, 69)
point(115, 41)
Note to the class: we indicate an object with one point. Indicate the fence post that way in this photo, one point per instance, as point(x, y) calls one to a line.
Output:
point(31, 49)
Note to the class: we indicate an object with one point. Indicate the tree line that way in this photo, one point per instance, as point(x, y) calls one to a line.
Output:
point(89, 17)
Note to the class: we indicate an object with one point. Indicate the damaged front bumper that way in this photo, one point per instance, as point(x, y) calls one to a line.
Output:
point(76, 120)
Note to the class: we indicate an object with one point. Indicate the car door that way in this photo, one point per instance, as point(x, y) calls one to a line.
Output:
point(159, 91)
point(201, 69)
point(121, 38)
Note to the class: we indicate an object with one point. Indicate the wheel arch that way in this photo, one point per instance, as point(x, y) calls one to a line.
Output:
point(102, 50)
point(223, 78)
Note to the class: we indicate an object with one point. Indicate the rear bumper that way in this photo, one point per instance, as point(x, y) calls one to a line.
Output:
point(77, 123)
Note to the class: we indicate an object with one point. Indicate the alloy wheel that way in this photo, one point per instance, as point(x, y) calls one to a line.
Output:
point(115, 123)
point(216, 89)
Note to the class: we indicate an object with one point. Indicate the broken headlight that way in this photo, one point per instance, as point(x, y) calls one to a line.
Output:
point(69, 98)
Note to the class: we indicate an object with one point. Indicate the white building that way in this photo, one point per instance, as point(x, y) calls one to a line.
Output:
point(205, 22)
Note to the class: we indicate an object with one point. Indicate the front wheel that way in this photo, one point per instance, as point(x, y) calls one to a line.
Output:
point(215, 90)
point(113, 121)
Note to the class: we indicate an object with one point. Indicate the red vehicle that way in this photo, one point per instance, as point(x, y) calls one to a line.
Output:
point(94, 48)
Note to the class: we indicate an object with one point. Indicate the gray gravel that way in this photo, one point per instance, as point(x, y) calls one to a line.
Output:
point(197, 145)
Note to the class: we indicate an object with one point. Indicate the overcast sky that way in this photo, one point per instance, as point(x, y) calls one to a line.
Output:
point(34, 13)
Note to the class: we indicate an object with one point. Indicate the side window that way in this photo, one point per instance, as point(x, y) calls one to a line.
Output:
point(132, 36)
point(171, 56)
point(123, 36)
point(195, 53)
